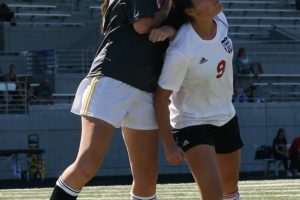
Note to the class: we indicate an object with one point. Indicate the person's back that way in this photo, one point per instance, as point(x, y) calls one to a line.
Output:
point(122, 42)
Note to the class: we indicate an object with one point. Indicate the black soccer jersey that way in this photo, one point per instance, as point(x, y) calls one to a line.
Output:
point(124, 54)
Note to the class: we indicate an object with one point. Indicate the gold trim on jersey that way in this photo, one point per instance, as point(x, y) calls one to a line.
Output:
point(88, 98)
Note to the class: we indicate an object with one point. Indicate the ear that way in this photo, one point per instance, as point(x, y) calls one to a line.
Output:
point(190, 12)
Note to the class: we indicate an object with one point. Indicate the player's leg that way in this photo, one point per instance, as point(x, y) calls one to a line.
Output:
point(107, 100)
point(95, 139)
point(229, 165)
point(201, 160)
point(228, 144)
point(142, 147)
point(197, 142)
point(140, 134)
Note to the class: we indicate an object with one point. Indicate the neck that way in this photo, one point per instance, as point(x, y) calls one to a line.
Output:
point(206, 29)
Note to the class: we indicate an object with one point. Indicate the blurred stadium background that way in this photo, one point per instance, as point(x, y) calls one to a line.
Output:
point(57, 40)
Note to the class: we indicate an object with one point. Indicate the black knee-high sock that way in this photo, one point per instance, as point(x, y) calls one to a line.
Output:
point(63, 192)
point(60, 194)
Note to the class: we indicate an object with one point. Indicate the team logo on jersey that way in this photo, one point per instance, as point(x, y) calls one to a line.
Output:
point(203, 60)
point(227, 44)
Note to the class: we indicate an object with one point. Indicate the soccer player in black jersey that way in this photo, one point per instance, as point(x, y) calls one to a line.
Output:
point(118, 92)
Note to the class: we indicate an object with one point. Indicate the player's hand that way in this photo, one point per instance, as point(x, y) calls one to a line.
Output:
point(162, 33)
point(174, 154)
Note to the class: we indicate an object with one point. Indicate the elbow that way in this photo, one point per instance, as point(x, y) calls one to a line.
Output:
point(142, 29)
point(142, 26)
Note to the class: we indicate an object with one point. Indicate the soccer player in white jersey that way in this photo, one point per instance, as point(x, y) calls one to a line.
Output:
point(197, 77)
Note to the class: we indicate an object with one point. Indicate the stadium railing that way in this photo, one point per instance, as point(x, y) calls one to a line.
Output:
point(32, 16)
point(266, 4)
point(19, 6)
point(63, 98)
point(70, 5)
point(47, 23)
point(79, 61)
point(62, 61)
point(245, 11)
point(95, 8)
point(13, 98)
point(265, 19)
point(251, 35)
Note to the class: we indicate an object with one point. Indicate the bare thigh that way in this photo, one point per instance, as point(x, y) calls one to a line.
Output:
point(202, 162)
point(95, 139)
point(142, 147)
point(229, 166)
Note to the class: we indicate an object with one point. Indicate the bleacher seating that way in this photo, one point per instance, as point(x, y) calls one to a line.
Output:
point(251, 23)
point(19, 6)
point(258, 4)
point(261, 16)
point(33, 16)
point(46, 23)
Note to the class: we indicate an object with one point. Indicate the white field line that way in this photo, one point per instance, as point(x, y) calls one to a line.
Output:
point(298, 195)
point(271, 185)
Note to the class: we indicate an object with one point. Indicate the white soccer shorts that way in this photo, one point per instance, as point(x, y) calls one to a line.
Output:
point(115, 102)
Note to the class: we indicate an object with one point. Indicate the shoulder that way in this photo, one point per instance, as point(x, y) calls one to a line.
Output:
point(222, 18)
point(181, 41)
point(222, 24)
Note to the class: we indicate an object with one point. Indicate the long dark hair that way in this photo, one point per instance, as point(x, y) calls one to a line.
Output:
point(279, 132)
point(180, 7)
point(104, 7)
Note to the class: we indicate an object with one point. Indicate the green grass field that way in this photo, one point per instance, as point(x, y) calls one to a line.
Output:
point(250, 190)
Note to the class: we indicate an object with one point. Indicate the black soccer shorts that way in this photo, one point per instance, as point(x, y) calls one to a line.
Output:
point(225, 139)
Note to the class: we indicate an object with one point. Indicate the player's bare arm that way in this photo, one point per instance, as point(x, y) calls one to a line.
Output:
point(161, 100)
point(145, 25)
point(162, 33)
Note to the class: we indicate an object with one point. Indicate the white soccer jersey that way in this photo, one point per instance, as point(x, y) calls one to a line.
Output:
point(200, 74)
